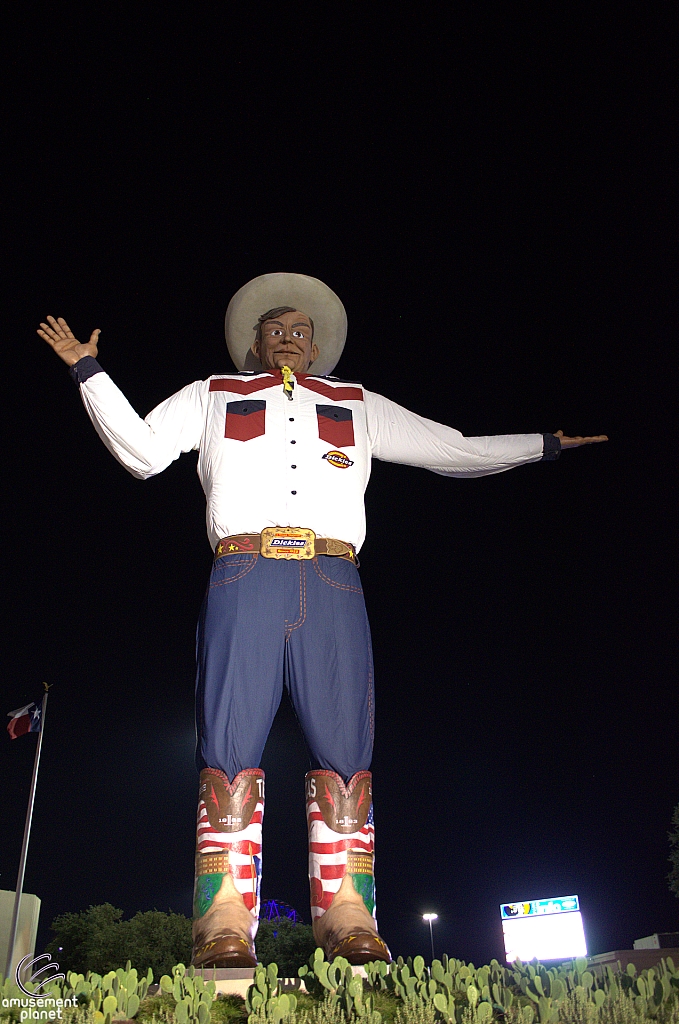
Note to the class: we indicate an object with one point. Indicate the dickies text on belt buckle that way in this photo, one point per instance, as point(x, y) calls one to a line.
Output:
point(287, 542)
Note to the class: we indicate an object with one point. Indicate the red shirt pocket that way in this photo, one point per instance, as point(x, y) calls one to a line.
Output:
point(335, 425)
point(244, 420)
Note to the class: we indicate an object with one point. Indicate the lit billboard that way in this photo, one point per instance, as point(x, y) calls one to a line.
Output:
point(547, 929)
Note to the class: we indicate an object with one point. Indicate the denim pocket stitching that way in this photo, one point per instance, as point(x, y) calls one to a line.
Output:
point(239, 576)
point(326, 579)
point(289, 627)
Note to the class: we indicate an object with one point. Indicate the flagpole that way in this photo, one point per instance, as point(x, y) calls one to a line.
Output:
point(24, 847)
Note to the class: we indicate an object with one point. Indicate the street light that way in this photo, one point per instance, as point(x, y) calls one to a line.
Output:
point(431, 918)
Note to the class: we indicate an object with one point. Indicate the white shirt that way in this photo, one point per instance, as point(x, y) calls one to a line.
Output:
point(266, 460)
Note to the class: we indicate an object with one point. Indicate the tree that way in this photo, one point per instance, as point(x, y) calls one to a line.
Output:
point(285, 943)
point(159, 941)
point(673, 877)
point(75, 935)
point(98, 940)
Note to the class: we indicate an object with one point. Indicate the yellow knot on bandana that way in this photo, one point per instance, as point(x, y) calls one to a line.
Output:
point(287, 383)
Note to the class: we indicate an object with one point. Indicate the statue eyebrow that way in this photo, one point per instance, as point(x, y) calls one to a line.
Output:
point(302, 323)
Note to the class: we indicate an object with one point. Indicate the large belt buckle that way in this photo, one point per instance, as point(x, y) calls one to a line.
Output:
point(287, 542)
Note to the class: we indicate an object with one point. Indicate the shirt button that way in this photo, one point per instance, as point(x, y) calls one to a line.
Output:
point(292, 419)
point(293, 492)
point(293, 442)
point(293, 467)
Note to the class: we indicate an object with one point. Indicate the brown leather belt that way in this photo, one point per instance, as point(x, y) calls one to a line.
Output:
point(285, 542)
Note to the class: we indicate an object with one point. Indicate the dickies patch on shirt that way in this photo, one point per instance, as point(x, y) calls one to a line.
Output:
point(335, 425)
point(245, 420)
point(338, 460)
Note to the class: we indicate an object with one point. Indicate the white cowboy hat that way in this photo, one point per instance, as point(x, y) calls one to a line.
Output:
point(308, 295)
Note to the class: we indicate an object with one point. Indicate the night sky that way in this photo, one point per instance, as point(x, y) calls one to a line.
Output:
point(493, 198)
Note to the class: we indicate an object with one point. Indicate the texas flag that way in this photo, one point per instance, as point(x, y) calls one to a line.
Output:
point(26, 719)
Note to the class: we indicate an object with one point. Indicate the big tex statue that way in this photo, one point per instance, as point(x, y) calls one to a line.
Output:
point(284, 460)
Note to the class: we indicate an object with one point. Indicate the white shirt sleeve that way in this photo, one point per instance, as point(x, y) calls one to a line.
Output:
point(398, 435)
point(145, 447)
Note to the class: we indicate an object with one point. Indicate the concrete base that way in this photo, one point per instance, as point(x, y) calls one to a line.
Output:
point(641, 958)
point(235, 981)
point(231, 981)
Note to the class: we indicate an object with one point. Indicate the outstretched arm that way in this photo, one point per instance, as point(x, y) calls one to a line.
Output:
point(398, 435)
point(575, 442)
point(144, 447)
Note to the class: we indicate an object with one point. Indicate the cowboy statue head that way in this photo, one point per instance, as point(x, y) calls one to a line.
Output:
point(298, 322)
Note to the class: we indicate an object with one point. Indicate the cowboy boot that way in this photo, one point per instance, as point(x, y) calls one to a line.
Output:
point(228, 868)
point(341, 866)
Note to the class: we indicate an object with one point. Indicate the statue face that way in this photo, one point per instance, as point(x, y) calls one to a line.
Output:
point(286, 341)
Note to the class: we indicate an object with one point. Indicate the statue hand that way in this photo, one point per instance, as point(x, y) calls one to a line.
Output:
point(575, 442)
point(58, 334)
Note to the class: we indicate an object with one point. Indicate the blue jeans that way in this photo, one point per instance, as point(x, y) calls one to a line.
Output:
point(268, 623)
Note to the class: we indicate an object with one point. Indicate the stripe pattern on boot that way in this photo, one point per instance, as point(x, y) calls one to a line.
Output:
point(229, 836)
point(334, 808)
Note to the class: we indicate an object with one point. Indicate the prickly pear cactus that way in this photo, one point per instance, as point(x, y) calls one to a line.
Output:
point(315, 975)
point(265, 997)
point(377, 974)
point(9, 990)
point(337, 985)
point(192, 995)
point(117, 994)
point(452, 989)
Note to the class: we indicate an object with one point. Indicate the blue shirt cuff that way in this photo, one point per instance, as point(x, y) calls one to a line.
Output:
point(84, 369)
point(551, 447)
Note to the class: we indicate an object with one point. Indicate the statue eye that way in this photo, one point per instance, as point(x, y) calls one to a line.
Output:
point(275, 331)
point(297, 334)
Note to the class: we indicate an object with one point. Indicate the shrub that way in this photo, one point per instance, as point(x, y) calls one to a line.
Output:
point(98, 940)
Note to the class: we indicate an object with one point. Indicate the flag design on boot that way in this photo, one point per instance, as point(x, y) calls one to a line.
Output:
point(229, 837)
point(341, 838)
